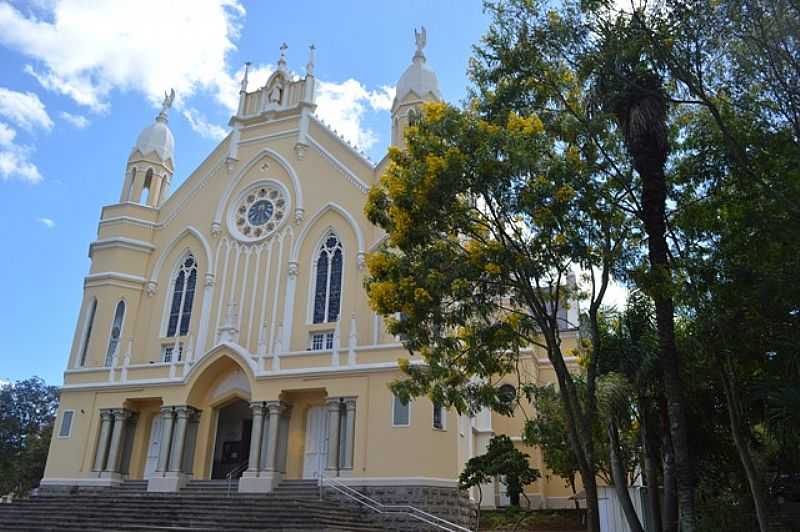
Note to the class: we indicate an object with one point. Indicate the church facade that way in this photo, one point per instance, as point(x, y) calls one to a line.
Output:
point(224, 328)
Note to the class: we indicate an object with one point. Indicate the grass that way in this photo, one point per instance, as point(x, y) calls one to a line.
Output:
point(532, 520)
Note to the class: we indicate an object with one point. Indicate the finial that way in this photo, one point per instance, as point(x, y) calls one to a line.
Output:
point(421, 39)
point(165, 105)
point(310, 65)
point(244, 78)
point(282, 60)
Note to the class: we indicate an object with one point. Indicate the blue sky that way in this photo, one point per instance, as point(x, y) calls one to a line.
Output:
point(80, 79)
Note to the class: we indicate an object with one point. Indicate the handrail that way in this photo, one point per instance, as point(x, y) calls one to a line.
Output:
point(235, 471)
point(381, 508)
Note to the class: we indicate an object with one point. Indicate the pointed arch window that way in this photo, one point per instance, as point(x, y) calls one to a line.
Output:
point(328, 280)
point(87, 335)
point(183, 286)
point(116, 331)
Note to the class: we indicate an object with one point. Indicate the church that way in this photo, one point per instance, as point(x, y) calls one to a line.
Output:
point(224, 331)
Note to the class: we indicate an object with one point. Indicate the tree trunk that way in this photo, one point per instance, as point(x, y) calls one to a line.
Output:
point(619, 477)
point(650, 466)
point(574, 492)
point(654, 195)
point(669, 515)
point(740, 439)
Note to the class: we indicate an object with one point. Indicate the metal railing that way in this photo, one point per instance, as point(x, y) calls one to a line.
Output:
point(379, 507)
point(229, 477)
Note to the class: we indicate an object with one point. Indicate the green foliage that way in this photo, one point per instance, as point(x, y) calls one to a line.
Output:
point(501, 460)
point(27, 411)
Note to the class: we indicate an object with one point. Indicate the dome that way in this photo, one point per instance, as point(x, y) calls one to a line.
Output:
point(157, 138)
point(418, 78)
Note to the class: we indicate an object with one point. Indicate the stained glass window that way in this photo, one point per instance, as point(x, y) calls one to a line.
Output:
point(116, 330)
point(180, 310)
point(328, 280)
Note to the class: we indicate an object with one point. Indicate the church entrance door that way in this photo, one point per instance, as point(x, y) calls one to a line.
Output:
point(154, 447)
point(232, 446)
point(316, 452)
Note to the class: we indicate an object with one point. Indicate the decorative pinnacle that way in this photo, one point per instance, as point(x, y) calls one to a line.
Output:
point(421, 39)
point(244, 78)
point(282, 60)
point(167, 103)
point(310, 65)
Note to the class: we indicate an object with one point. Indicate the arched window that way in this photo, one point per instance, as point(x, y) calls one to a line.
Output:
point(328, 282)
point(146, 191)
point(116, 331)
point(87, 335)
point(183, 285)
point(129, 193)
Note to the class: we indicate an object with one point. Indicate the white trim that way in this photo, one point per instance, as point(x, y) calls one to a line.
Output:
point(61, 425)
point(121, 242)
point(395, 399)
point(331, 206)
point(170, 294)
point(340, 166)
point(190, 230)
point(233, 183)
point(345, 144)
point(128, 219)
point(113, 276)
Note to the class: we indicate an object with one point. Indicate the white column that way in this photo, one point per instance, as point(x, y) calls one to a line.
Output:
point(288, 307)
point(102, 443)
point(176, 459)
point(167, 415)
point(117, 439)
point(349, 432)
point(275, 408)
point(334, 407)
point(202, 330)
point(255, 436)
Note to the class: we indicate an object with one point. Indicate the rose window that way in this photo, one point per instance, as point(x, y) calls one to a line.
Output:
point(260, 210)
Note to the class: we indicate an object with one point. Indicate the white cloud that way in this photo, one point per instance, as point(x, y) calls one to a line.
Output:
point(342, 106)
point(87, 49)
point(14, 158)
point(202, 126)
point(24, 109)
point(78, 121)
point(229, 85)
point(47, 222)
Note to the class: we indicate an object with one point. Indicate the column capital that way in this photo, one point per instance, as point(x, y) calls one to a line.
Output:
point(106, 414)
point(167, 411)
point(350, 402)
point(185, 411)
point(121, 414)
point(333, 403)
point(258, 408)
point(275, 407)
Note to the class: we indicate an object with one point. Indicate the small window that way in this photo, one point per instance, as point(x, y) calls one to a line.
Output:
point(88, 334)
point(66, 424)
point(321, 341)
point(168, 351)
point(116, 332)
point(401, 413)
point(438, 416)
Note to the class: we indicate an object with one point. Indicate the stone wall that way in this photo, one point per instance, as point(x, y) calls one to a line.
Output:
point(447, 503)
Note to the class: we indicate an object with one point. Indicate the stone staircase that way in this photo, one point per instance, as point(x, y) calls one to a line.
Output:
point(200, 506)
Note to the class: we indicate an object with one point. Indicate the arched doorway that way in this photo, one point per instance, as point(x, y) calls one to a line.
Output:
point(232, 439)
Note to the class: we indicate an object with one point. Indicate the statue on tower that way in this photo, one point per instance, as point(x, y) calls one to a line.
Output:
point(421, 38)
point(168, 99)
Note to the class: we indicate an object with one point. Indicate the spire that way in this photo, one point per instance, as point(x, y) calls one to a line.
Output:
point(244, 78)
point(310, 64)
point(282, 60)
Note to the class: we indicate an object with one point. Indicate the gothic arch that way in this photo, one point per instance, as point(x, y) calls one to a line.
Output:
point(204, 373)
point(190, 230)
point(298, 244)
point(233, 183)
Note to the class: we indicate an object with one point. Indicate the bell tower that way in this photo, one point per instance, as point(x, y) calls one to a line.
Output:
point(150, 164)
point(417, 85)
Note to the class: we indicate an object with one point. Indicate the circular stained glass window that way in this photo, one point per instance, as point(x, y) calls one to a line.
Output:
point(259, 211)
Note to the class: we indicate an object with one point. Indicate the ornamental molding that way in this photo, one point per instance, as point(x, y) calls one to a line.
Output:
point(351, 177)
point(248, 225)
point(121, 242)
point(113, 276)
point(359, 234)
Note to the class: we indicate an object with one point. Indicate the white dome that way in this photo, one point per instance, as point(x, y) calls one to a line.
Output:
point(418, 78)
point(157, 138)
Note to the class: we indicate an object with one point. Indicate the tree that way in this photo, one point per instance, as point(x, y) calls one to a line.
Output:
point(504, 461)
point(27, 411)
